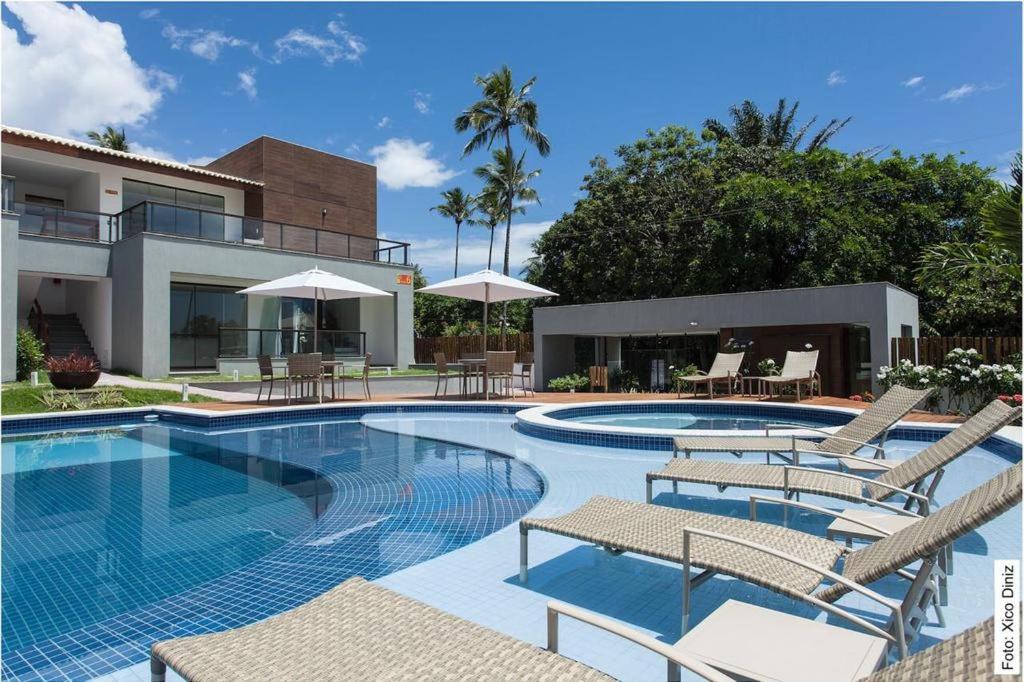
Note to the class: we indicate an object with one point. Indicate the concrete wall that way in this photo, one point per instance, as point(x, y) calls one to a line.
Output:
point(8, 297)
point(881, 306)
point(91, 301)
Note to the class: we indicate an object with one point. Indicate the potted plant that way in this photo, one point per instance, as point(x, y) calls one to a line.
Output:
point(74, 371)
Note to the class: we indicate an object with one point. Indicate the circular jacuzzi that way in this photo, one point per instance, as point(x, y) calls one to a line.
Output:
point(651, 425)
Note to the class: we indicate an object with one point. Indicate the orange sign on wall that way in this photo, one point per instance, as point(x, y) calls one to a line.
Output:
point(403, 279)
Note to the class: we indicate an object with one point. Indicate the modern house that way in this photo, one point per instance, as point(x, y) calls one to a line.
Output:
point(137, 260)
point(849, 325)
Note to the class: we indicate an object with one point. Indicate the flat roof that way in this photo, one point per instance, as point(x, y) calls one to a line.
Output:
point(116, 155)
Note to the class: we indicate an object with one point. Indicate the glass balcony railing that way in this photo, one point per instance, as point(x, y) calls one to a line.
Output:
point(155, 217)
point(55, 221)
point(248, 342)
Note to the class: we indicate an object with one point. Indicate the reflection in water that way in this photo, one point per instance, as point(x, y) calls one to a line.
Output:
point(120, 522)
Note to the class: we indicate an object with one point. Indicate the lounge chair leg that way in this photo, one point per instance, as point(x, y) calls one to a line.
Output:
point(673, 672)
point(157, 669)
point(686, 583)
point(650, 492)
point(523, 553)
point(675, 487)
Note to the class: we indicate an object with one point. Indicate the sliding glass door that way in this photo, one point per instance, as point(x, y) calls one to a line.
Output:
point(197, 313)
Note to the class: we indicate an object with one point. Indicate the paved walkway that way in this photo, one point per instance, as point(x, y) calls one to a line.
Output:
point(130, 382)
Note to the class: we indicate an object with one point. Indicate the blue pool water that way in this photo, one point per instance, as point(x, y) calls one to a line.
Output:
point(685, 420)
point(109, 532)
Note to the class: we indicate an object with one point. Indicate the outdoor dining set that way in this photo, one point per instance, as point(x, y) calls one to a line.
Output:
point(305, 375)
point(483, 374)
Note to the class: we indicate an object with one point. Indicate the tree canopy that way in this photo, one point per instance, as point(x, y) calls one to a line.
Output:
point(679, 215)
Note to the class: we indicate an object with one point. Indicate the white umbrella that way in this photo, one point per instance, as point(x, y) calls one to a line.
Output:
point(487, 286)
point(317, 284)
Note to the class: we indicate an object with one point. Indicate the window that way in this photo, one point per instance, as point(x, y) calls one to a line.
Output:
point(8, 194)
point(177, 211)
point(198, 311)
point(44, 201)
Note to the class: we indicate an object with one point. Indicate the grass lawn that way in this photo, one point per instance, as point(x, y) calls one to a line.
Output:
point(23, 399)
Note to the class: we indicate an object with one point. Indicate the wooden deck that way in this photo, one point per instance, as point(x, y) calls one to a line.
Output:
point(569, 398)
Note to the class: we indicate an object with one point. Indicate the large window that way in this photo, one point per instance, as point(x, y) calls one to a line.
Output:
point(177, 211)
point(197, 313)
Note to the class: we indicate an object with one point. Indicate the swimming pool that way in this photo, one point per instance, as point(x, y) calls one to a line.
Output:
point(682, 420)
point(118, 536)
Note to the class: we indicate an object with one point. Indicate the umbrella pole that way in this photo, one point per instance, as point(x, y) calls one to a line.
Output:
point(487, 299)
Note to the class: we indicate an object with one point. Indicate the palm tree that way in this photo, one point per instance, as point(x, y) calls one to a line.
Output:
point(997, 254)
point(751, 127)
point(503, 107)
point(511, 182)
point(110, 138)
point(491, 205)
point(458, 206)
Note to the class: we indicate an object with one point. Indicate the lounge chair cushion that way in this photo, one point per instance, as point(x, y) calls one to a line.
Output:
point(361, 631)
point(762, 476)
point(656, 531)
point(962, 657)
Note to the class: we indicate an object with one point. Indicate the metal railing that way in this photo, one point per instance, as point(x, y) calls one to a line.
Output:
point(248, 342)
point(161, 218)
point(55, 221)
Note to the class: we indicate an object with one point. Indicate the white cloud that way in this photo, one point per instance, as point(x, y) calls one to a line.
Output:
point(957, 94)
point(913, 81)
point(338, 44)
point(247, 82)
point(439, 254)
point(201, 160)
point(202, 42)
point(353, 149)
point(421, 101)
point(384, 122)
point(152, 152)
point(75, 74)
point(405, 163)
point(835, 78)
point(149, 13)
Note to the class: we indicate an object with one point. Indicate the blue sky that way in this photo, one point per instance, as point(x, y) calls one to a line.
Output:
point(382, 82)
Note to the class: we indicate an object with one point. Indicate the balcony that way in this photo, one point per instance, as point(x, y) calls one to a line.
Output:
point(194, 223)
point(55, 221)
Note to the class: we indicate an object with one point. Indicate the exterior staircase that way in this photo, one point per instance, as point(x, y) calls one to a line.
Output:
point(66, 335)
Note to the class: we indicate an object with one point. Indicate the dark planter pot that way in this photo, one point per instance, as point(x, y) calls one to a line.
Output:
point(74, 380)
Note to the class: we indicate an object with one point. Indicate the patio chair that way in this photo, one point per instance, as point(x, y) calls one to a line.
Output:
point(858, 433)
point(905, 478)
point(363, 377)
point(361, 631)
point(444, 372)
point(266, 367)
point(499, 369)
point(787, 561)
point(524, 372)
point(799, 368)
point(329, 373)
point(303, 370)
point(774, 646)
point(725, 367)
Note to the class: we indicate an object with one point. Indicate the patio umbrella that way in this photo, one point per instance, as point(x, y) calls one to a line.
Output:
point(487, 286)
point(317, 284)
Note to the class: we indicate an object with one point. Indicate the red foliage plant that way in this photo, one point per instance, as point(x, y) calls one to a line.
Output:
point(73, 363)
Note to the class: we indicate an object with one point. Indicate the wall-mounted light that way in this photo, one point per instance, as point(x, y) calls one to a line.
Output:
point(694, 323)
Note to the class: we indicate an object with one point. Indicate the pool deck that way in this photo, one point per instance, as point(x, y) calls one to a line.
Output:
point(480, 581)
point(572, 398)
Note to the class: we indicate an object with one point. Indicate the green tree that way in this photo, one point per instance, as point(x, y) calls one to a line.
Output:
point(110, 138)
point(458, 206)
point(502, 108)
point(678, 215)
point(491, 206)
point(750, 127)
point(996, 253)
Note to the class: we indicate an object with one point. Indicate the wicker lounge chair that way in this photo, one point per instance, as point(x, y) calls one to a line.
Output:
point(774, 646)
point(871, 424)
point(784, 560)
point(724, 368)
point(361, 631)
point(906, 478)
point(800, 368)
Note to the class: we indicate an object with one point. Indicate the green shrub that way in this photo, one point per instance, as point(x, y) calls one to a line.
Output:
point(30, 354)
point(569, 382)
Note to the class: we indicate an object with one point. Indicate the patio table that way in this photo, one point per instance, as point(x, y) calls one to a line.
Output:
point(474, 367)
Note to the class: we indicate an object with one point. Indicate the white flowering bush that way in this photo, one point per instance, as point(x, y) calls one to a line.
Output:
point(967, 381)
point(768, 368)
